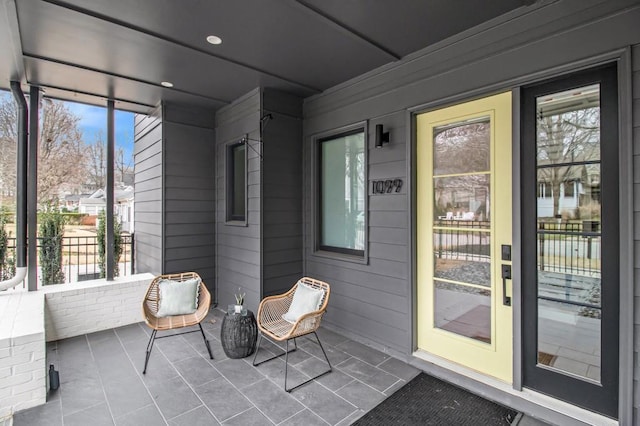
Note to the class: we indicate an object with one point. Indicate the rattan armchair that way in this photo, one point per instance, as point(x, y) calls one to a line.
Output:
point(272, 325)
point(150, 309)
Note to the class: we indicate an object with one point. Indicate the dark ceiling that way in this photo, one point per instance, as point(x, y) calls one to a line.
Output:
point(91, 50)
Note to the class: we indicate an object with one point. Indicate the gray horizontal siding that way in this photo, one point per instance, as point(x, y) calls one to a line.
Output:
point(238, 247)
point(189, 194)
point(148, 192)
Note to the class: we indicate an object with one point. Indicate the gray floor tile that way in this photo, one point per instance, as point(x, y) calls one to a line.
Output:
point(306, 418)
point(97, 415)
point(372, 376)
point(174, 397)
point(81, 393)
point(49, 414)
point(335, 380)
point(197, 417)
point(145, 416)
point(335, 355)
point(252, 417)
point(175, 348)
point(239, 372)
point(196, 371)
point(363, 352)
point(361, 395)
point(330, 337)
point(274, 370)
point(399, 369)
point(131, 333)
point(222, 399)
point(272, 400)
point(324, 403)
point(126, 395)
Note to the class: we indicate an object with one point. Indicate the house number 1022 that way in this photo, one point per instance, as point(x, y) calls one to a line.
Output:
point(386, 186)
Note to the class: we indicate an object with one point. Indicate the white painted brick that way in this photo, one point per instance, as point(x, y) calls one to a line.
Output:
point(5, 352)
point(36, 346)
point(26, 389)
point(5, 392)
point(29, 338)
point(18, 379)
point(29, 367)
point(4, 372)
point(5, 343)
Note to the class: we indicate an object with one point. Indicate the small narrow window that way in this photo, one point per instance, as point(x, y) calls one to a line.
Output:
point(236, 182)
point(342, 193)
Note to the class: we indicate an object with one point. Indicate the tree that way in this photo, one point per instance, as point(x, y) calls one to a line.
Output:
point(51, 235)
point(61, 149)
point(97, 177)
point(7, 262)
point(566, 137)
point(102, 244)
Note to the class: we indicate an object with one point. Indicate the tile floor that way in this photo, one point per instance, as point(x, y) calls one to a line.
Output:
point(101, 382)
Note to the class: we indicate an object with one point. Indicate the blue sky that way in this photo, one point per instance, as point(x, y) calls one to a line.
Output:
point(93, 120)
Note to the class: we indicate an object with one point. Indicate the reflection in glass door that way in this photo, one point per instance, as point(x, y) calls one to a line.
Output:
point(571, 239)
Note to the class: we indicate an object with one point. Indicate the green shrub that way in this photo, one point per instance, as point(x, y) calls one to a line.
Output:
point(73, 218)
point(51, 235)
point(102, 244)
point(7, 262)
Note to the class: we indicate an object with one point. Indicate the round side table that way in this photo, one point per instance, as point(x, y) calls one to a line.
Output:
point(238, 334)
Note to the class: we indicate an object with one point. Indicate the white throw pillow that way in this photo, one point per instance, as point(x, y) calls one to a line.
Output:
point(178, 298)
point(305, 300)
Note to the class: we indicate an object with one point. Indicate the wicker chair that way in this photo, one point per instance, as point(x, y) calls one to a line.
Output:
point(274, 327)
point(150, 309)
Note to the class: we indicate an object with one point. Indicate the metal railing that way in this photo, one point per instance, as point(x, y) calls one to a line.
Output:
point(570, 247)
point(80, 257)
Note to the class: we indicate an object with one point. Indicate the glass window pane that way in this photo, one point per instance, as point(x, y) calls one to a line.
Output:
point(462, 255)
point(463, 310)
point(568, 235)
point(463, 199)
point(569, 338)
point(237, 191)
point(342, 193)
point(462, 147)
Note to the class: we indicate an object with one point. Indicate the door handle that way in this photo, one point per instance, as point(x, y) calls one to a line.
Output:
point(506, 275)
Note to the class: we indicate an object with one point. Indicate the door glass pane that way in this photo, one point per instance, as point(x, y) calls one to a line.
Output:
point(462, 201)
point(461, 147)
point(568, 231)
point(463, 310)
point(462, 255)
point(461, 228)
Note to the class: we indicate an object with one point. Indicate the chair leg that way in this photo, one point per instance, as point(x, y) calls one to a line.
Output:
point(206, 342)
point(149, 348)
point(312, 378)
point(273, 357)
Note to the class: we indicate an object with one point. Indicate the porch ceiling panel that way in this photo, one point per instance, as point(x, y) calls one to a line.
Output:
point(88, 50)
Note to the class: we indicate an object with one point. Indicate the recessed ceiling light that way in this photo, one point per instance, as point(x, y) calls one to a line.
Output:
point(166, 84)
point(214, 39)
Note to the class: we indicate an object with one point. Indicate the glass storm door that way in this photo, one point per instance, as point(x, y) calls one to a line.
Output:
point(570, 237)
point(463, 220)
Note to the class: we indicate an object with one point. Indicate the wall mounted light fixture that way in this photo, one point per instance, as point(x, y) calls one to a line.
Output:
point(382, 137)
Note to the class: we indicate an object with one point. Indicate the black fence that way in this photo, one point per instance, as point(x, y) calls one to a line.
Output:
point(80, 257)
point(564, 247)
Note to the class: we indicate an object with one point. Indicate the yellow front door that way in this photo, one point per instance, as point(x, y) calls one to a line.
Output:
point(464, 233)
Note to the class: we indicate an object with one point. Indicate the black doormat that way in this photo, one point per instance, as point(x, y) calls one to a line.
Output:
point(426, 400)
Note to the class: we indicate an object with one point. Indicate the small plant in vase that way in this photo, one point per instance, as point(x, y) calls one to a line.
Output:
point(239, 301)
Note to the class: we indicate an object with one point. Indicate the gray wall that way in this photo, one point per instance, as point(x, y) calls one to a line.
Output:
point(175, 192)
point(281, 192)
point(189, 192)
point(263, 256)
point(373, 302)
point(238, 246)
point(148, 192)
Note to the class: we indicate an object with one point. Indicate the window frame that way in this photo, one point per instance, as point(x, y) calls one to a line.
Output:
point(231, 218)
point(341, 253)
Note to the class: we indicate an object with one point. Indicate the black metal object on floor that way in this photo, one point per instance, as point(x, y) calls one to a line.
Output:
point(238, 334)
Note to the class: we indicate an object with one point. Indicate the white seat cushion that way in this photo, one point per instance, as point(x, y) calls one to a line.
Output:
point(177, 298)
point(305, 299)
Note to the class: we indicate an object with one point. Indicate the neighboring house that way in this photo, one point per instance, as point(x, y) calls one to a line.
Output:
point(124, 208)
